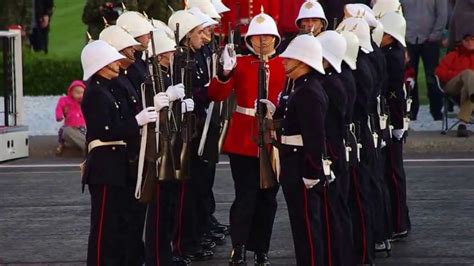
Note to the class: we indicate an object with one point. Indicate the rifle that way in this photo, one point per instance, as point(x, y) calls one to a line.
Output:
point(187, 125)
point(267, 176)
point(228, 106)
point(148, 157)
point(166, 167)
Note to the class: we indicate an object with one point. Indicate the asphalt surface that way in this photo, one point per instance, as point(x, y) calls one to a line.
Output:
point(44, 217)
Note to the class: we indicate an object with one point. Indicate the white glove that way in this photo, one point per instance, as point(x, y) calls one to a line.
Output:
point(187, 105)
point(175, 92)
point(310, 183)
point(332, 177)
point(161, 100)
point(229, 61)
point(398, 133)
point(270, 106)
point(146, 116)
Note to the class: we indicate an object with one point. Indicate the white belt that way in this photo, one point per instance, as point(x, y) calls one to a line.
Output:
point(294, 140)
point(245, 111)
point(98, 143)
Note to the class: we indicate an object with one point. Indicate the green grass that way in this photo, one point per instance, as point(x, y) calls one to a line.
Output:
point(67, 35)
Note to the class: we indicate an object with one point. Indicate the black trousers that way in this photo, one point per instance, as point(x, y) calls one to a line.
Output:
point(195, 203)
point(339, 245)
point(108, 229)
point(305, 212)
point(395, 177)
point(429, 53)
point(380, 198)
point(361, 216)
point(161, 224)
point(136, 213)
point(253, 211)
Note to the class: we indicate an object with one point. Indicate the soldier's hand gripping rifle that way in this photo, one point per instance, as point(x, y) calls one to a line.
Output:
point(267, 176)
point(167, 170)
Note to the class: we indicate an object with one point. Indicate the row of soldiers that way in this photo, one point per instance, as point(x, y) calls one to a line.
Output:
point(325, 120)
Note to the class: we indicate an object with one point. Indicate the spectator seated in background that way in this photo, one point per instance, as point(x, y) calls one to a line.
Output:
point(69, 109)
point(456, 71)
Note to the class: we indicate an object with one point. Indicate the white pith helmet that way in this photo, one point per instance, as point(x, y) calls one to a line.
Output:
point(312, 9)
point(395, 25)
point(262, 24)
point(377, 34)
point(136, 24)
point(352, 51)
point(307, 49)
point(96, 55)
point(160, 25)
point(205, 6)
point(162, 43)
point(220, 7)
point(117, 37)
point(360, 10)
point(382, 7)
point(360, 28)
point(187, 22)
point(207, 20)
point(334, 48)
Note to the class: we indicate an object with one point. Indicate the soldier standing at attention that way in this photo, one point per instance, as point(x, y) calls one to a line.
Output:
point(303, 106)
point(253, 210)
point(106, 167)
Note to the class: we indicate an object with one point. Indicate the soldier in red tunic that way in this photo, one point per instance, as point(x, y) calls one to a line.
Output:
point(253, 210)
point(242, 12)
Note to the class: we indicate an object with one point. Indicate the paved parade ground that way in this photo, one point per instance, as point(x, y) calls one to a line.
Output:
point(44, 218)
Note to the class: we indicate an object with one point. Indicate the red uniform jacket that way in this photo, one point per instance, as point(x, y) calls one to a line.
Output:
point(242, 132)
point(454, 63)
point(248, 9)
point(289, 10)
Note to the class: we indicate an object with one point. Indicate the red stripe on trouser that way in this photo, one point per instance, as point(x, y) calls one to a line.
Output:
point(397, 191)
point(362, 219)
point(180, 222)
point(308, 226)
point(101, 223)
point(328, 226)
point(157, 240)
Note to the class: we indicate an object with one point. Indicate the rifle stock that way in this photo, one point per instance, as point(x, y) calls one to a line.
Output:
point(267, 175)
point(166, 170)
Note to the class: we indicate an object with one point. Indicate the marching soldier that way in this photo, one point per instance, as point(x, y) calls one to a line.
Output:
point(362, 178)
point(336, 211)
point(253, 210)
point(209, 143)
point(127, 96)
point(106, 167)
point(393, 46)
point(190, 40)
point(208, 149)
point(163, 210)
point(303, 108)
point(378, 120)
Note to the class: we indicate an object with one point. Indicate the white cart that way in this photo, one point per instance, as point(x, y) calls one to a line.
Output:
point(13, 134)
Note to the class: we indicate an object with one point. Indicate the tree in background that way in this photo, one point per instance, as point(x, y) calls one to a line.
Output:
point(17, 12)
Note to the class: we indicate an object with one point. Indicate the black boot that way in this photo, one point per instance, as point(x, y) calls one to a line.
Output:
point(215, 237)
point(261, 259)
point(238, 256)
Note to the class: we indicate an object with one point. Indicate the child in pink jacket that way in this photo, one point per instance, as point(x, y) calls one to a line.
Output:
point(69, 109)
